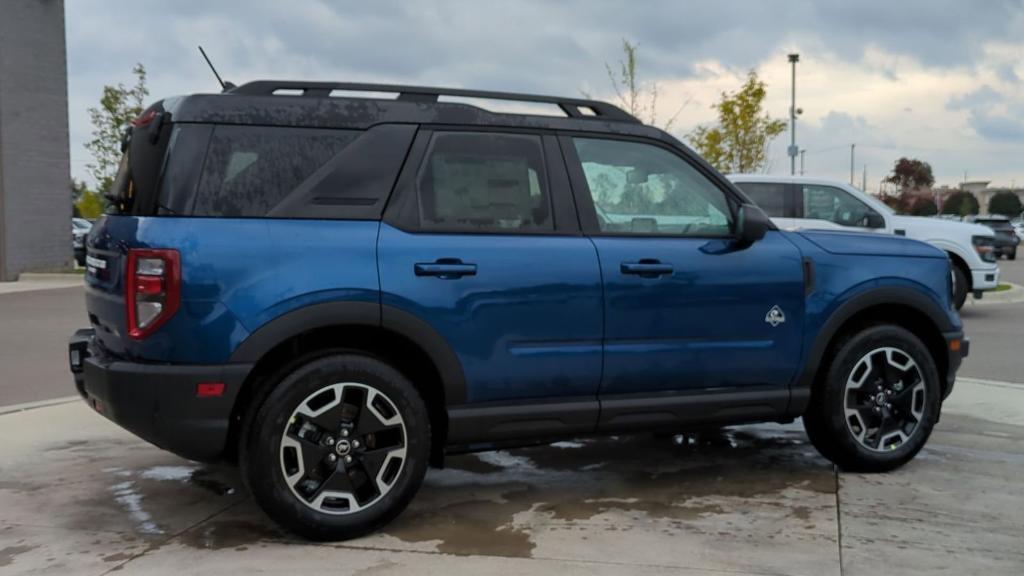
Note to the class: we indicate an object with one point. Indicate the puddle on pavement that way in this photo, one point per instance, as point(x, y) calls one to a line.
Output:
point(486, 503)
point(492, 503)
point(10, 553)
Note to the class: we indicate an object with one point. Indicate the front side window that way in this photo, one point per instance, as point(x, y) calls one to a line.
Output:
point(838, 206)
point(769, 196)
point(484, 182)
point(639, 188)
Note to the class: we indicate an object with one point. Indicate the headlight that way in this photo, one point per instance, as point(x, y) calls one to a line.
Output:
point(985, 246)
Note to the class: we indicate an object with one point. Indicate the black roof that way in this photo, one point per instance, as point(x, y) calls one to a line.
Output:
point(331, 105)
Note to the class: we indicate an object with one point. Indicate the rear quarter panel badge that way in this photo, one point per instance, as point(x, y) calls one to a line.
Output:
point(775, 316)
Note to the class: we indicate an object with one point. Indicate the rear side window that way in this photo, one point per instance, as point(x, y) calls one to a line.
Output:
point(484, 182)
point(770, 197)
point(249, 169)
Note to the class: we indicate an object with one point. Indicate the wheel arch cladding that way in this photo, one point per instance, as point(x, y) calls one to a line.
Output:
point(893, 305)
point(407, 343)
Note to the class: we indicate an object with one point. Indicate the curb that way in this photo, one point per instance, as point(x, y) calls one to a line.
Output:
point(1012, 296)
point(14, 408)
point(29, 282)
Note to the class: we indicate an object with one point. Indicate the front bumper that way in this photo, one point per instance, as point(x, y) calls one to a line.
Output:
point(158, 402)
point(957, 348)
point(984, 279)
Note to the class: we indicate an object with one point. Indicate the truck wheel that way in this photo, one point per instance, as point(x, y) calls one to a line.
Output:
point(960, 287)
point(338, 448)
point(1012, 255)
point(878, 402)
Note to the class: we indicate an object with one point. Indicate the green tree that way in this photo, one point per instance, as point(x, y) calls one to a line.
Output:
point(637, 97)
point(960, 203)
point(924, 207)
point(119, 105)
point(911, 173)
point(739, 141)
point(89, 205)
point(1005, 203)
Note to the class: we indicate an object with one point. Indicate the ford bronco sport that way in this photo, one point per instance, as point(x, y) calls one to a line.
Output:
point(336, 291)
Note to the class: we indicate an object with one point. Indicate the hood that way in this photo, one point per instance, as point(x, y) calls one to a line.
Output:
point(870, 244)
point(937, 227)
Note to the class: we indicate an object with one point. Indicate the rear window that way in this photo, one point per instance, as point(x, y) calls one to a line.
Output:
point(768, 196)
point(249, 169)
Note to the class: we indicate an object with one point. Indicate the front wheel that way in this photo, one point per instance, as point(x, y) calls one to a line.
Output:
point(878, 402)
point(959, 286)
point(1012, 255)
point(338, 448)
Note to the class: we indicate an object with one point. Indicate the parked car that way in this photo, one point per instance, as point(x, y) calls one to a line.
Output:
point(80, 228)
point(338, 291)
point(1018, 227)
point(800, 202)
point(1006, 239)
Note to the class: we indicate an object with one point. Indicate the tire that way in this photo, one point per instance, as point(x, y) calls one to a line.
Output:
point(960, 286)
point(1012, 255)
point(337, 448)
point(846, 408)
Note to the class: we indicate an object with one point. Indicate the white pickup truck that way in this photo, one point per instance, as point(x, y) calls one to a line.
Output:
point(795, 202)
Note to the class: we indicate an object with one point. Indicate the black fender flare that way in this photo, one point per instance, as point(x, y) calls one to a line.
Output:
point(904, 296)
point(366, 314)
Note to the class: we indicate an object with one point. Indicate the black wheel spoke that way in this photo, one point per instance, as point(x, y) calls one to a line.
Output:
point(337, 481)
point(311, 453)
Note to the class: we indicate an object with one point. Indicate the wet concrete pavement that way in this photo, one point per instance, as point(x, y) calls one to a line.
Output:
point(80, 496)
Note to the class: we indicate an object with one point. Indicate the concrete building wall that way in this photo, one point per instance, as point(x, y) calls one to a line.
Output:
point(35, 181)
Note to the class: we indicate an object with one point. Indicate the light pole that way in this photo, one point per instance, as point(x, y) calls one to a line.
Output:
point(793, 150)
point(852, 146)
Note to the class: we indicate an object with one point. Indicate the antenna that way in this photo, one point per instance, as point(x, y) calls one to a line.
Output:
point(225, 86)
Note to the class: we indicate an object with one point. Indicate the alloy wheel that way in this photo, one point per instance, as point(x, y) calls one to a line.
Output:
point(343, 448)
point(884, 399)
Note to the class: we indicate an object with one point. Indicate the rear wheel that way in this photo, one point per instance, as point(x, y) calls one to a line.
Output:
point(338, 448)
point(1012, 255)
point(878, 403)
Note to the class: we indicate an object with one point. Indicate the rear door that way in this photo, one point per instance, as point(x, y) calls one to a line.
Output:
point(689, 312)
point(481, 242)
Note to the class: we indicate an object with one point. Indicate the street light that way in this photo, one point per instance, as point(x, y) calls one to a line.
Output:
point(793, 150)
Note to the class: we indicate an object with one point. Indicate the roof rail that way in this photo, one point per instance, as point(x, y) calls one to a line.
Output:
point(572, 107)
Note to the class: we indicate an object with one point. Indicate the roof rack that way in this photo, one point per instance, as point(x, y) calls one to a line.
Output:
point(572, 107)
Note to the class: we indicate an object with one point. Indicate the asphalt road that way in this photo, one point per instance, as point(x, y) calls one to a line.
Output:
point(34, 331)
point(35, 326)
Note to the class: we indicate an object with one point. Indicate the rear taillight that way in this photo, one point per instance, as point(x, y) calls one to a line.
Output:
point(152, 289)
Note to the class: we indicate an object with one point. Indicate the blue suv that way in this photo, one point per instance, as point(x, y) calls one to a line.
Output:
point(336, 284)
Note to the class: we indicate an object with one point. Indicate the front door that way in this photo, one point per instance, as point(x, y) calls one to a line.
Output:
point(688, 309)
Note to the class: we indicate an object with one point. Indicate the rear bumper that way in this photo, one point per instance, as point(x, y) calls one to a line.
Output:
point(158, 402)
point(954, 358)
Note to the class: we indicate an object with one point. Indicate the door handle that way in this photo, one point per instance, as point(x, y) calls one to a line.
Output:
point(646, 268)
point(445, 268)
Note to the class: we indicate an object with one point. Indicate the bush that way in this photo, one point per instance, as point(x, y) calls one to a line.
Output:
point(961, 204)
point(924, 207)
point(1005, 203)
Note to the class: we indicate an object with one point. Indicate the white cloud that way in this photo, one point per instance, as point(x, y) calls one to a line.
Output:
point(897, 78)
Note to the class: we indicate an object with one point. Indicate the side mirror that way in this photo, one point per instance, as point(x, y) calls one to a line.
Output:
point(874, 220)
point(751, 223)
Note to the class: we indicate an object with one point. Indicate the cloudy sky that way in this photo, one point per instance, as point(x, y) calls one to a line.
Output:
point(935, 79)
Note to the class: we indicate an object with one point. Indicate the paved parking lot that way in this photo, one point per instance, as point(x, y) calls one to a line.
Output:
point(80, 496)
